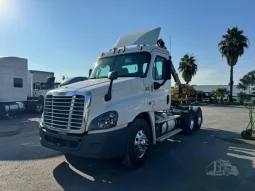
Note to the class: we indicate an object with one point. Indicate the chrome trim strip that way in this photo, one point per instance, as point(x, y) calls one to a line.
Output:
point(109, 130)
point(71, 111)
point(86, 112)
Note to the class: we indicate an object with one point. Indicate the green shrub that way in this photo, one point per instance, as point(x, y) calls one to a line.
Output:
point(243, 97)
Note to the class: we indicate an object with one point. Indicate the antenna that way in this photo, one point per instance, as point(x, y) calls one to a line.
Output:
point(170, 45)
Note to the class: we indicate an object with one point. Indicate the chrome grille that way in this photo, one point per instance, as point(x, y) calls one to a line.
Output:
point(64, 112)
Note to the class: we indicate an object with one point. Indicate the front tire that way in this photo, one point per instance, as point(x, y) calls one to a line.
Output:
point(139, 143)
point(35, 106)
point(38, 107)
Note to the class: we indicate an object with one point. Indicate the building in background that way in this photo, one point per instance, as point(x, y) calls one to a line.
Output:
point(210, 88)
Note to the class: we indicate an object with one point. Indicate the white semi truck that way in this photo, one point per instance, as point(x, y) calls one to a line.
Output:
point(38, 83)
point(123, 109)
point(22, 89)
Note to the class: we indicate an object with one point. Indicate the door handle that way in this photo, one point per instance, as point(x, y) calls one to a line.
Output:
point(167, 99)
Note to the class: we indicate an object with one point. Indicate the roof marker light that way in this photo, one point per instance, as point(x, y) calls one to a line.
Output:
point(114, 50)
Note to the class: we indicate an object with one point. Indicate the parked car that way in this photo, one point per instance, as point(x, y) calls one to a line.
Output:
point(234, 98)
point(73, 80)
point(208, 99)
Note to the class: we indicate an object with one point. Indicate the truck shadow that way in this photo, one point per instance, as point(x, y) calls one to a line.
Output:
point(176, 164)
point(19, 139)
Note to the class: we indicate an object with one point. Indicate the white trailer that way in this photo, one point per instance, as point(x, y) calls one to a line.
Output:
point(17, 86)
point(123, 109)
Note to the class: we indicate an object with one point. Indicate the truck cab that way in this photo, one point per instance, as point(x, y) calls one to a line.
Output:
point(122, 109)
point(22, 89)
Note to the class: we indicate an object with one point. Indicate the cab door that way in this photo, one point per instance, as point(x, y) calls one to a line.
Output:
point(36, 89)
point(160, 97)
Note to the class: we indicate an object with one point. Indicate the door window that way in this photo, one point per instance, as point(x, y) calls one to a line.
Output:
point(17, 82)
point(157, 68)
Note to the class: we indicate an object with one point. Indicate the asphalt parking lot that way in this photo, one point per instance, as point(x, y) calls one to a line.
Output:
point(179, 163)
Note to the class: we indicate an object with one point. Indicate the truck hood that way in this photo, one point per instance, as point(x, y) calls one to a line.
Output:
point(98, 86)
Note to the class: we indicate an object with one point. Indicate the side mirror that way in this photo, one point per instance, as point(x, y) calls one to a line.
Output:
point(38, 86)
point(50, 80)
point(166, 70)
point(156, 85)
point(111, 76)
point(90, 71)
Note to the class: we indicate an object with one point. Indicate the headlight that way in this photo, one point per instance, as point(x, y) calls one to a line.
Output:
point(42, 117)
point(41, 122)
point(104, 121)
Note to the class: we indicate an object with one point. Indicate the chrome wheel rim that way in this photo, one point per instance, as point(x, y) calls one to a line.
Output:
point(191, 123)
point(140, 144)
point(199, 120)
point(39, 107)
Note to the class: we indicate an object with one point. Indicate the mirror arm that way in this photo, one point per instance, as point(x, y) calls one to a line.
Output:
point(90, 71)
point(163, 83)
point(108, 96)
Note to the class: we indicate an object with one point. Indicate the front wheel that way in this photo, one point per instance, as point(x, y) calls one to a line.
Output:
point(139, 143)
point(38, 106)
point(35, 106)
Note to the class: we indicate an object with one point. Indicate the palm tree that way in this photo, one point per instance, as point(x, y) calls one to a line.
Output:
point(221, 92)
point(214, 94)
point(243, 97)
point(242, 85)
point(247, 81)
point(232, 47)
point(188, 67)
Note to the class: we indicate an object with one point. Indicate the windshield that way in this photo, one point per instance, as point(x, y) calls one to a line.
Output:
point(45, 86)
point(128, 65)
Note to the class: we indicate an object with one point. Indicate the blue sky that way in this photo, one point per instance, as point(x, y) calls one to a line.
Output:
point(67, 36)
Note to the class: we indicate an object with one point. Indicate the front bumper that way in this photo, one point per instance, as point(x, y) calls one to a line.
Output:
point(98, 146)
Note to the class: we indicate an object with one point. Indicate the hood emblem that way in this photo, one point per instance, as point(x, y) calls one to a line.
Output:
point(61, 93)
